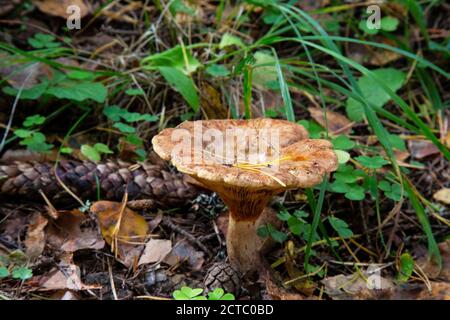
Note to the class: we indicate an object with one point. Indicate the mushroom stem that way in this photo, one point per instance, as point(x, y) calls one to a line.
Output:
point(247, 212)
point(243, 244)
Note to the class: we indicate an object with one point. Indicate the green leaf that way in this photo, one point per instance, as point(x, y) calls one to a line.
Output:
point(22, 133)
point(90, 152)
point(114, 112)
point(264, 70)
point(124, 127)
point(343, 156)
point(228, 296)
point(34, 120)
point(78, 91)
point(36, 142)
point(363, 26)
point(183, 84)
point(339, 186)
point(102, 148)
point(4, 272)
point(373, 92)
point(22, 273)
point(355, 192)
point(340, 226)
point(178, 295)
point(134, 117)
point(216, 294)
point(231, 40)
point(66, 150)
point(135, 140)
point(262, 231)
point(406, 267)
point(217, 70)
point(342, 143)
point(297, 226)
point(276, 235)
point(135, 92)
point(175, 58)
point(178, 6)
point(283, 215)
point(397, 142)
point(81, 75)
point(314, 129)
point(375, 162)
point(389, 23)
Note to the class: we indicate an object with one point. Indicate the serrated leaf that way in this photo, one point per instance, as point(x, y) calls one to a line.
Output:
point(340, 226)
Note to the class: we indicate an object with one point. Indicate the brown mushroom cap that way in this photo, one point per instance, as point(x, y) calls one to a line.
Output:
point(303, 162)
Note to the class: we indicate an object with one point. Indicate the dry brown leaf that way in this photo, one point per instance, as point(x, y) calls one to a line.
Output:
point(155, 251)
point(439, 291)
point(431, 269)
point(27, 75)
point(211, 102)
point(66, 276)
point(74, 231)
point(121, 228)
point(422, 148)
point(277, 293)
point(35, 241)
point(337, 123)
point(355, 287)
point(59, 7)
point(443, 195)
point(183, 251)
point(365, 54)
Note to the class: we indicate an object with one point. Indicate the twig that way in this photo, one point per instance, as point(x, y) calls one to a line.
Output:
point(168, 223)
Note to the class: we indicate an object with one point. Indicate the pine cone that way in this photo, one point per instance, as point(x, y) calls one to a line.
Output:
point(222, 275)
point(141, 181)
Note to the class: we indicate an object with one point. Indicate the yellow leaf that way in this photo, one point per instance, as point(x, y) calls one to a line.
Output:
point(121, 227)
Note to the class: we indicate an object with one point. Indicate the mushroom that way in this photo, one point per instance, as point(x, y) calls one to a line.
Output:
point(246, 162)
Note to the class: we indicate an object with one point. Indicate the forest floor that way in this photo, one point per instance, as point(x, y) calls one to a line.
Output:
point(377, 229)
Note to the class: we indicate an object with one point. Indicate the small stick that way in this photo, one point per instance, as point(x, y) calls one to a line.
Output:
point(168, 223)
